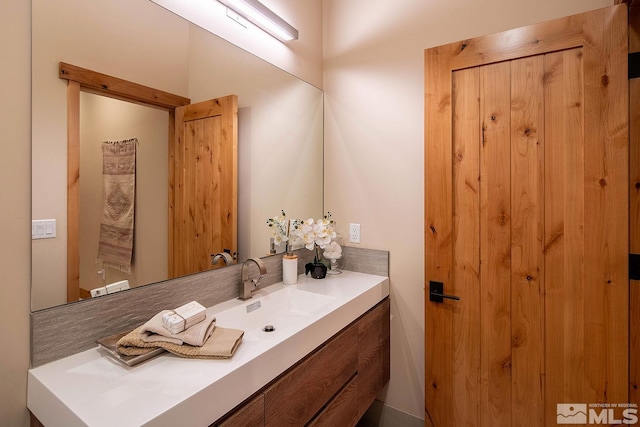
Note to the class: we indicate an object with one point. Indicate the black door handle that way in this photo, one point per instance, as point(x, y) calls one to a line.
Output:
point(436, 293)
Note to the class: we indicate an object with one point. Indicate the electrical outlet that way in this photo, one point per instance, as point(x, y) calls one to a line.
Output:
point(354, 233)
point(98, 292)
point(117, 286)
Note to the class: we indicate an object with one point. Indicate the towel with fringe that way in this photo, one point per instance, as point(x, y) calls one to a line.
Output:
point(222, 344)
point(115, 245)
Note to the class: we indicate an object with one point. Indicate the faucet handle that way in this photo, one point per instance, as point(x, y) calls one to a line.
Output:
point(225, 256)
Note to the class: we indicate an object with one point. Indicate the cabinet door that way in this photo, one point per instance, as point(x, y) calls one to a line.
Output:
point(249, 415)
point(342, 410)
point(373, 354)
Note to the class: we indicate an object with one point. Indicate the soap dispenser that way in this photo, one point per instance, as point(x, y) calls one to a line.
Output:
point(289, 268)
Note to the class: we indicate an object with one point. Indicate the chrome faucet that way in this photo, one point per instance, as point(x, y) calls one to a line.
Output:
point(249, 285)
point(226, 257)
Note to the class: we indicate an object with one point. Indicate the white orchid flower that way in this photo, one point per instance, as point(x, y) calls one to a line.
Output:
point(333, 251)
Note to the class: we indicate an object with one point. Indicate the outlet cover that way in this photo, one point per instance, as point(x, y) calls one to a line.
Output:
point(354, 233)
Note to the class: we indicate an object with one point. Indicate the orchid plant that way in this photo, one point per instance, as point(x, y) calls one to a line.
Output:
point(315, 234)
point(280, 227)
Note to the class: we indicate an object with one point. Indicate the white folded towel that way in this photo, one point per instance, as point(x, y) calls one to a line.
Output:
point(197, 335)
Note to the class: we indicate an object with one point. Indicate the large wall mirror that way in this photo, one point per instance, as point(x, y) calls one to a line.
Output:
point(279, 131)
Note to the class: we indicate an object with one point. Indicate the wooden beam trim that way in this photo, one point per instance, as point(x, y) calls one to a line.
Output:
point(558, 34)
point(114, 87)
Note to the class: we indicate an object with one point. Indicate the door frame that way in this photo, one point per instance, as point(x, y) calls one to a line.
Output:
point(84, 80)
point(600, 76)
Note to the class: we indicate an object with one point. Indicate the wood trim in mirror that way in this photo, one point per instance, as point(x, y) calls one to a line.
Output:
point(73, 191)
point(81, 79)
point(113, 87)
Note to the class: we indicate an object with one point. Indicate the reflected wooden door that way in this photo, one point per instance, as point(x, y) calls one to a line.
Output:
point(203, 170)
point(526, 191)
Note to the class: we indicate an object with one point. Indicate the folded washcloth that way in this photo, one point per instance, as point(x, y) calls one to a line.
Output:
point(221, 345)
point(154, 331)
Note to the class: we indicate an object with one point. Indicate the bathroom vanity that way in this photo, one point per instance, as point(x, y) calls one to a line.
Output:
point(323, 364)
point(333, 386)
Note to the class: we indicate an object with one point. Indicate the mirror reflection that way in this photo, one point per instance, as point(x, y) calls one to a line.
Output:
point(279, 130)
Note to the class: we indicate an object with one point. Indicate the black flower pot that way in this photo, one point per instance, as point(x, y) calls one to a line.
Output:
point(317, 270)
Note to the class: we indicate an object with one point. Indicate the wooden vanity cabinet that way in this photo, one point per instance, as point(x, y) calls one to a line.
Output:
point(301, 393)
point(250, 414)
point(332, 386)
point(373, 354)
point(342, 409)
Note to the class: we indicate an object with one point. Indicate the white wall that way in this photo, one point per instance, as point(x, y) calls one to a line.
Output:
point(374, 171)
point(15, 209)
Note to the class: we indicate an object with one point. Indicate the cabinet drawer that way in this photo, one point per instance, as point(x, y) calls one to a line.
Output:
point(251, 414)
point(295, 398)
point(373, 354)
point(342, 410)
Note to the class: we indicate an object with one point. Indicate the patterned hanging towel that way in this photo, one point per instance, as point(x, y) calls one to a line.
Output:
point(115, 246)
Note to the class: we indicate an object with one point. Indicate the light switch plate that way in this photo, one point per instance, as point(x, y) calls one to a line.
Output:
point(43, 229)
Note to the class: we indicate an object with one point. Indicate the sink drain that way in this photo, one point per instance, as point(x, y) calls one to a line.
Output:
point(269, 328)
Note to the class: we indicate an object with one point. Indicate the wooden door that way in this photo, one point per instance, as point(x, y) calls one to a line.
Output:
point(203, 171)
point(526, 220)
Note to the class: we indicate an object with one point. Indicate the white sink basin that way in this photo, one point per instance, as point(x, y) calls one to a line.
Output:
point(283, 309)
point(168, 390)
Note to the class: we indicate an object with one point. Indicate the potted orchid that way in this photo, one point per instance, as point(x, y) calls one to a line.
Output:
point(280, 227)
point(316, 235)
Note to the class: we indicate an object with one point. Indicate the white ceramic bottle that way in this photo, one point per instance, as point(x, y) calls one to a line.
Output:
point(289, 269)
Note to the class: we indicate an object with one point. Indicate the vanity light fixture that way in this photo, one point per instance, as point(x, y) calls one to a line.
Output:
point(263, 17)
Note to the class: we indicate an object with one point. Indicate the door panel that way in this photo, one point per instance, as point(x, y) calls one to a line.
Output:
point(495, 245)
point(204, 209)
point(526, 221)
point(527, 234)
point(466, 211)
point(564, 230)
point(606, 210)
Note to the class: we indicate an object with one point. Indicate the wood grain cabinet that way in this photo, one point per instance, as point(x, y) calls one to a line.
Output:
point(250, 414)
point(334, 385)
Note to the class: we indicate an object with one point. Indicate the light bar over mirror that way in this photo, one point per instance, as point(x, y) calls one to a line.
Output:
point(263, 17)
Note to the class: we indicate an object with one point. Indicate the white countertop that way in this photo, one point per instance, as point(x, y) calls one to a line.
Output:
point(90, 388)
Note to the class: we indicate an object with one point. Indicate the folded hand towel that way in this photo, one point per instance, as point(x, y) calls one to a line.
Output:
point(221, 345)
point(196, 335)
